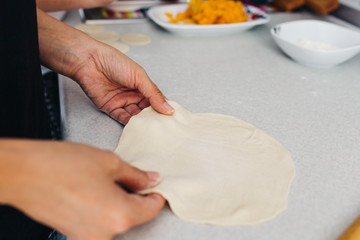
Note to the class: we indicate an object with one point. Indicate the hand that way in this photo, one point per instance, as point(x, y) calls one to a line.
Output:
point(117, 85)
point(77, 189)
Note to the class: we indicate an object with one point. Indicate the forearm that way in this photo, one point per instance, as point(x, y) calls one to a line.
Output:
point(75, 188)
point(58, 5)
point(62, 48)
point(11, 169)
point(110, 79)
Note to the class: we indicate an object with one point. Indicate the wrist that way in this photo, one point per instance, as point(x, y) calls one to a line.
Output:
point(62, 48)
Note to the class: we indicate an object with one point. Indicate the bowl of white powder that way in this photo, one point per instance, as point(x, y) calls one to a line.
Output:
point(316, 43)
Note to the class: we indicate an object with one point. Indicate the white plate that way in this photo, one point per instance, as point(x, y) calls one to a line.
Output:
point(128, 6)
point(290, 35)
point(157, 14)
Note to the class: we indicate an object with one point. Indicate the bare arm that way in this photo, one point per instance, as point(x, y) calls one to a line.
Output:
point(117, 85)
point(74, 188)
point(58, 5)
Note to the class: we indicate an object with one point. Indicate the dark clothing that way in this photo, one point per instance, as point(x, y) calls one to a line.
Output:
point(22, 110)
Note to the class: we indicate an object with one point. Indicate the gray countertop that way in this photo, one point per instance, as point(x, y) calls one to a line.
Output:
point(314, 113)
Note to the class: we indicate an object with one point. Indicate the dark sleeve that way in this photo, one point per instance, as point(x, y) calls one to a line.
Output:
point(22, 110)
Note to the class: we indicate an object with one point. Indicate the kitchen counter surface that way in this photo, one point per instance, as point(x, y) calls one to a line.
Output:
point(314, 113)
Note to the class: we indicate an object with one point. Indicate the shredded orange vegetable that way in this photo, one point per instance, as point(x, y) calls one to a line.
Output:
point(211, 12)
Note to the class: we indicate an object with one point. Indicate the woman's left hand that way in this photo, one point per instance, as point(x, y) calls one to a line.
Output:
point(117, 85)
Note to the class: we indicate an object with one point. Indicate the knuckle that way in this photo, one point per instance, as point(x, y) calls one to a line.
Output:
point(111, 156)
point(121, 224)
point(140, 75)
point(112, 159)
point(140, 72)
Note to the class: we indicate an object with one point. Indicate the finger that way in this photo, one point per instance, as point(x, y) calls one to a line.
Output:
point(144, 103)
point(145, 208)
point(120, 115)
point(132, 109)
point(155, 96)
point(135, 179)
point(121, 100)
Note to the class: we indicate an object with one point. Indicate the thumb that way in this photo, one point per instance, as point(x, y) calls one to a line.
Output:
point(135, 179)
point(156, 98)
point(146, 207)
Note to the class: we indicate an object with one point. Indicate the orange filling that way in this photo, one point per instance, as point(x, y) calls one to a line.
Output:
point(211, 12)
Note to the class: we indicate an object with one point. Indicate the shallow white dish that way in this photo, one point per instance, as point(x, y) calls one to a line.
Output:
point(330, 44)
point(125, 6)
point(157, 14)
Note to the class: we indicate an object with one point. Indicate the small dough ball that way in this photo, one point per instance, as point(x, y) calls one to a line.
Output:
point(90, 28)
point(106, 36)
point(120, 46)
point(135, 39)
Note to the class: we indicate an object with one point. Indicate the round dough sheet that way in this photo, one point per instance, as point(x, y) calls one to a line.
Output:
point(106, 36)
point(90, 28)
point(216, 169)
point(135, 39)
point(120, 46)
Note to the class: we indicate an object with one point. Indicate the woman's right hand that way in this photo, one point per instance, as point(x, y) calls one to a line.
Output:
point(79, 190)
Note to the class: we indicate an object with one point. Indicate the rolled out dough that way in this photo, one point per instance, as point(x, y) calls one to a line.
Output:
point(135, 39)
point(90, 28)
point(216, 169)
point(105, 36)
point(120, 46)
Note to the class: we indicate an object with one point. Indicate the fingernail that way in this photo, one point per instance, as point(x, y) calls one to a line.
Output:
point(169, 109)
point(157, 197)
point(154, 178)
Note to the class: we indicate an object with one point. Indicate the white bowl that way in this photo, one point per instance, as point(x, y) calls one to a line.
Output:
point(316, 43)
point(157, 15)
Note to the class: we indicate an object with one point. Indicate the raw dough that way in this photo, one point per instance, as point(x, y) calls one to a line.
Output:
point(90, 28)
point(106, 36)
point(120, 46)
point(135, 39)
point(216, 169)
